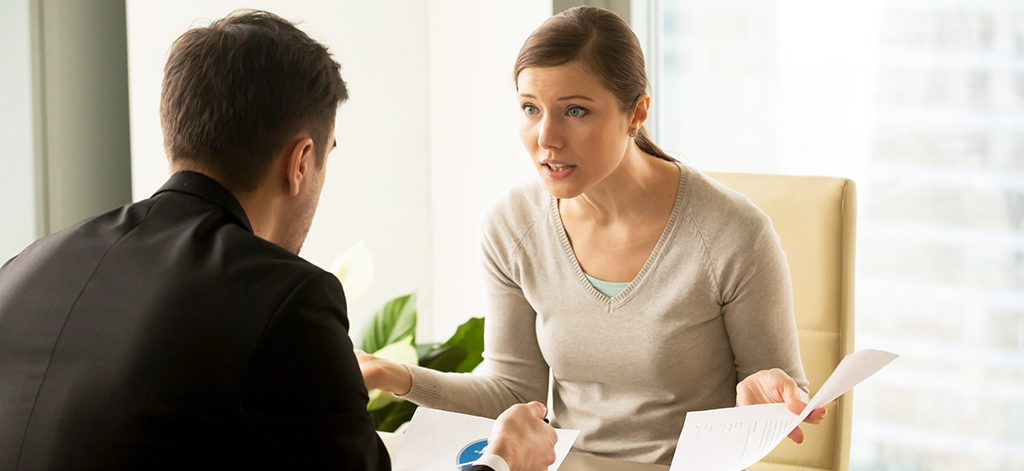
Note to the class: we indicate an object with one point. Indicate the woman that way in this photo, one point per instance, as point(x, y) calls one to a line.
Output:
point(646, 288)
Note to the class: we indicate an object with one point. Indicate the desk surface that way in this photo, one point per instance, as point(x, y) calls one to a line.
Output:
point(575, 461)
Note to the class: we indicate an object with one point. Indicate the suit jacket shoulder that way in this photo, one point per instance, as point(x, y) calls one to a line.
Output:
point(166, 334)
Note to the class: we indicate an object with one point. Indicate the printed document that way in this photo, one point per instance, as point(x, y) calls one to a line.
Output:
point(735, 438)
point(439, 440)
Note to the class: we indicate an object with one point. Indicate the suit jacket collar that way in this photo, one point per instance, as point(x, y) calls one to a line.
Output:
point(194, 183)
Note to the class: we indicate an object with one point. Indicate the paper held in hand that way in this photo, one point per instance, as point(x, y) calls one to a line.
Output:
point(446, 440)
point(735, 438)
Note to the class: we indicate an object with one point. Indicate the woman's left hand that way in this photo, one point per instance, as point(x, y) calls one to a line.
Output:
point(774, 386)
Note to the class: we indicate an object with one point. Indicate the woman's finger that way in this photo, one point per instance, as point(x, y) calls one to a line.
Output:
point(797, 435)
point(791, 394)
point(816, 416)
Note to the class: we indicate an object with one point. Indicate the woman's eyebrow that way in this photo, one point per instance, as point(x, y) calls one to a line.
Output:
point(564, 98)
point(575, 97)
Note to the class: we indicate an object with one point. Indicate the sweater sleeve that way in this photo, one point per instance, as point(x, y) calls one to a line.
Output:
point(756, 296)
point(513, 370)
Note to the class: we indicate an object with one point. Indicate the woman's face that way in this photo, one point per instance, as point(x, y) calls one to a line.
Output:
point(572, 127)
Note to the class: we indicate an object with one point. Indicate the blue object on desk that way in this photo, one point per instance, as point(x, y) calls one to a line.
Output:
point(470, 453)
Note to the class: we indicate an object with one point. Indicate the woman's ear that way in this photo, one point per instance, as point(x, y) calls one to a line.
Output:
point(643, 103)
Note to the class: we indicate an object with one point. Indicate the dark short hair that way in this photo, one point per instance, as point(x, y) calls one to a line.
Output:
point(604, 45)
point(236, 91)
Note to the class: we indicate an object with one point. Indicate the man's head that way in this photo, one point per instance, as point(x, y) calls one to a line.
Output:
point(236, 92)
point(250, 100)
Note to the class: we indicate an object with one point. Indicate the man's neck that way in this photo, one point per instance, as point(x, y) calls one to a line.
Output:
point(259, 207)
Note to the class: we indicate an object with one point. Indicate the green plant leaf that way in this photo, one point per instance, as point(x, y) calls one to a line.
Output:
point(444, 358)
point(379, 399)
point(470, 336)
point(424, 348)
point(395, 320)
point(393, 416)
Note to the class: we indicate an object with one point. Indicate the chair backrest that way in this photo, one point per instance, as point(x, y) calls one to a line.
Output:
point(816, 219)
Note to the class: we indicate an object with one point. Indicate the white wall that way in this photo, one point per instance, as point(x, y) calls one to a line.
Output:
point(476, 156)
point(17, 179)
point(426, 141)
point(376, 186)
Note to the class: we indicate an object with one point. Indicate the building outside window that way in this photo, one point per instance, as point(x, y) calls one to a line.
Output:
point(922, 104)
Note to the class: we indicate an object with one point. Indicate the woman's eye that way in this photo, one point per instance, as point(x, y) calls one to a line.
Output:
point(576, 112)
point(530, 109)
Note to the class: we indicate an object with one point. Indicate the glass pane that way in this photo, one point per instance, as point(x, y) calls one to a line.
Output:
point(17, 177)
point(922, 104)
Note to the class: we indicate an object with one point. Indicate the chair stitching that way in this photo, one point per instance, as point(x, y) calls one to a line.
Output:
point(794, 465)
point(818, 331)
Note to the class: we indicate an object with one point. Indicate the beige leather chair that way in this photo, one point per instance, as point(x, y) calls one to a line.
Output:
point(816, 219)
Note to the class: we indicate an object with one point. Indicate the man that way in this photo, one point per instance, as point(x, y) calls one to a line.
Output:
point(183, 331)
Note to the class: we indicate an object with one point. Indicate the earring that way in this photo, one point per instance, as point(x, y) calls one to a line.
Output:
point(632, 133)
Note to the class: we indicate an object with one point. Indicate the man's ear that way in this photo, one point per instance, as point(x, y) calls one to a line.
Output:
point(640, 111)
point(299, 159)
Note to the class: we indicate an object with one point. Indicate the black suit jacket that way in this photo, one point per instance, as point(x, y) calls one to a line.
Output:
point(165, 334)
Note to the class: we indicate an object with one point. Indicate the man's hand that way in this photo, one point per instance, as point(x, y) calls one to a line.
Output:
point(383, 374)
point(773, 386)
point(523, 439)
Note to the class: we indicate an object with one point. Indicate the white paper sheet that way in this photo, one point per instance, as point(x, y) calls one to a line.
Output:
point(439, 440)
point(735, 438)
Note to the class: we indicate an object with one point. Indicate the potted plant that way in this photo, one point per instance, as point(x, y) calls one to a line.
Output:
point(391, 334)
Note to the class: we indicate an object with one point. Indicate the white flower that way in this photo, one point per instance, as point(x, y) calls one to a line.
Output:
point(355, 270)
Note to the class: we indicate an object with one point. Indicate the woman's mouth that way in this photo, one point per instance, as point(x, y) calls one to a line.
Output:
point(554, 170)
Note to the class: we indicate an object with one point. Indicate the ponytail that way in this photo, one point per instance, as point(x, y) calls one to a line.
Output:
point(644, 142)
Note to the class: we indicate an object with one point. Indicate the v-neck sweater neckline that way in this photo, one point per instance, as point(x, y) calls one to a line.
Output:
point(652, 259)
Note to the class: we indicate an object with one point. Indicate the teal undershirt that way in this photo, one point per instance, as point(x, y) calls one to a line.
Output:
point(606, 288)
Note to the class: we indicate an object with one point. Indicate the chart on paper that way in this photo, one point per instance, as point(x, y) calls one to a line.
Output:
point(440, 440)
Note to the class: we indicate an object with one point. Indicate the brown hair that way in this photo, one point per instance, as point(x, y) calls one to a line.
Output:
point(236, 91)
point(604, 45)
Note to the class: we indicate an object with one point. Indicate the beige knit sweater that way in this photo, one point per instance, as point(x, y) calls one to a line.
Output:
point(712, 304)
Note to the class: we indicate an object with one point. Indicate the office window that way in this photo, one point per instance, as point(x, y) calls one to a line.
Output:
point(17, 177)
point(922, 104)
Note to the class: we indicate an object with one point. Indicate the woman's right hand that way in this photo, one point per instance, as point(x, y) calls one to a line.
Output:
point(522, 438)
point(383, 374)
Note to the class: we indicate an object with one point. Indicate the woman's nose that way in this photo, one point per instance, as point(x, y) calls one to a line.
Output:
point(549, 136)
